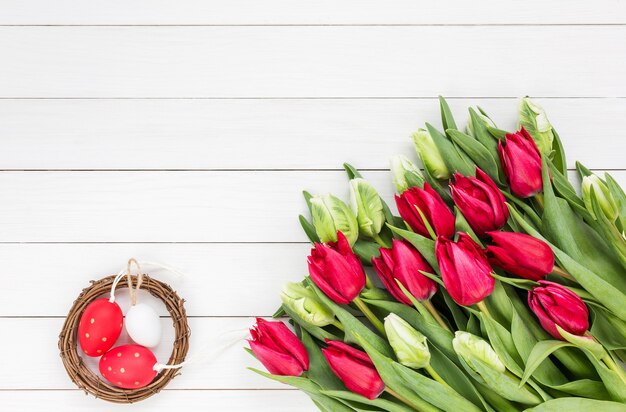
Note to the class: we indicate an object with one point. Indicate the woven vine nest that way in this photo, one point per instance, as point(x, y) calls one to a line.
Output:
point(89, 381)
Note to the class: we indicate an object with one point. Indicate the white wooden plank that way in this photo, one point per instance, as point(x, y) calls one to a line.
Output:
point(191, 401)
point(166, 206)
point(34, 355)
point(311, 12)
point(219, 279)
point(311, 61)
point(268, 134)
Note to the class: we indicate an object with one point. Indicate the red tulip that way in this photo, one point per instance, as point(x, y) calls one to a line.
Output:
point(555, 304)
point(432, 206)
point(480, 201)
point(278, 348)
point(336, 270)
point(521, 163)
point(355, 369)
point(465, 270)
point(520, 254)
point(402, 262)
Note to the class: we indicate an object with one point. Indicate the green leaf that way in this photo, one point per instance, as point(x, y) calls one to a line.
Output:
point(608, 329)
point(477, 152)
point(380, 403)
point(309, 229)
point(423, 245)
point(619, 196)
point(319, 370)
point(366, 250)
point(483, 134)
point(307, 198)
point(438, 187)
point(446, 115)
point(455, 160)
point(578, 404)
point(582, 170)
point(559, 160)
point(351, 171)
point(461, 225)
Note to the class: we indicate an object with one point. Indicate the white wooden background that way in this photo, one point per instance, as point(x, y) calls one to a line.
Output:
point(183, 132)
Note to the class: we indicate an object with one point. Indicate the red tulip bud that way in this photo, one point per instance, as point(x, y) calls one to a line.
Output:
point(520, 254)
point(278, 348)
point(521, 163)
point(355, 369)
point(465, 270)
point(431, 205)
point(403, 263)
point(554, 305)
point(480, 201)
point(336, 270)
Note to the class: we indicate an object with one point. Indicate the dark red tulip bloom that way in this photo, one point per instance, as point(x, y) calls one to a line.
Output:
point(437, 213)
point(520, 254)
point(555, 304)
point(355, 369)
point(465, 271)
point(480, 201)
point(403, 263)
point(336, 270)
point(521, 162)
point(278, 348)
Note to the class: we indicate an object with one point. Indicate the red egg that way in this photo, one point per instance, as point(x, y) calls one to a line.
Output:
point(100, 326)
point(128, 366)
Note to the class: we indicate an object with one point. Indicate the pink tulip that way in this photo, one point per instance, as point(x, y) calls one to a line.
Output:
point(464, 269)
point(520, 254)
point(336, 270)
point(354, 368)
point(480, 201)
point(554, 305)
point(403, 263)
point(433, 207)
point(278, 348)
point(521, 162)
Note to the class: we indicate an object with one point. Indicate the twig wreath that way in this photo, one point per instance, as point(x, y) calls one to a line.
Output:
point(92, 383)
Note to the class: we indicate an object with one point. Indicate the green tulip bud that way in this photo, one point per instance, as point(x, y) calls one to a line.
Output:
point(330, 214)
point(471, 347)
point(405, 173)
point(408, 344)
point(602, 195)
point(534, 119)
point(304, 302)
point(430, 155)
point(367, 206)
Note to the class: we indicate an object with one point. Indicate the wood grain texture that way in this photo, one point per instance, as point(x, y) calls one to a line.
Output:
point(220, 62)
point(218, 280)
point(312, 12)
point(188, 400)
point(167, 206)
point(269, 134)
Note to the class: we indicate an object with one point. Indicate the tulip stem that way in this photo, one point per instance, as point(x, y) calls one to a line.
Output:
point(426, 223)
point(560, 272)
point(421, 406)
point(435, 375)
point(610, 363)
point(483, 308)
point(539, 199)
point(380, 240)
point(433, 311)
point(338, 325)
point(368, 282)
point(370, 315)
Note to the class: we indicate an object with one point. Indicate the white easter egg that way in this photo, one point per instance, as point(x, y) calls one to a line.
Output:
point(143, 325)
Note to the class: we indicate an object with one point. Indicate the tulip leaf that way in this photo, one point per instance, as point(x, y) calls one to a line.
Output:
point(578, 404)
point(352, 325)
point(352, 171)
point(497, 401)
point(559, 160)
point(483, 134)
point(309, 229)
point(366, 250)
point(380, 404)
point(310, 388)
point(477, 152)
point(461, 225)
point(455, 159)
point(529, 211)
point(612, 381)
point(525, 284)
point(565, 189)
point(446, 115)
point(619, 197)
point(319, 370)
point(582, 170)
point(608, 329)
point(438, 187)
point(424, 245)
point(602, 290)
point(414, 385)
point(460, 318)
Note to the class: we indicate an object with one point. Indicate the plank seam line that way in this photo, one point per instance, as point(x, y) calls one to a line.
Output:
point(331, 25)
point(312, 98)
point(219, 170)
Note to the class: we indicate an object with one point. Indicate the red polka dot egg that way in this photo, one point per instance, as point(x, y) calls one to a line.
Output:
point(100, 326)
point(128, 366)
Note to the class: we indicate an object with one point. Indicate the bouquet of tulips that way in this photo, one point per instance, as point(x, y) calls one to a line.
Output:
point(498, 288)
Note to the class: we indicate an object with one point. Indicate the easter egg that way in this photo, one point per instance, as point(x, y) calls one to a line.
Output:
point(143, 325)
point(99, 327)
point(128, 366)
